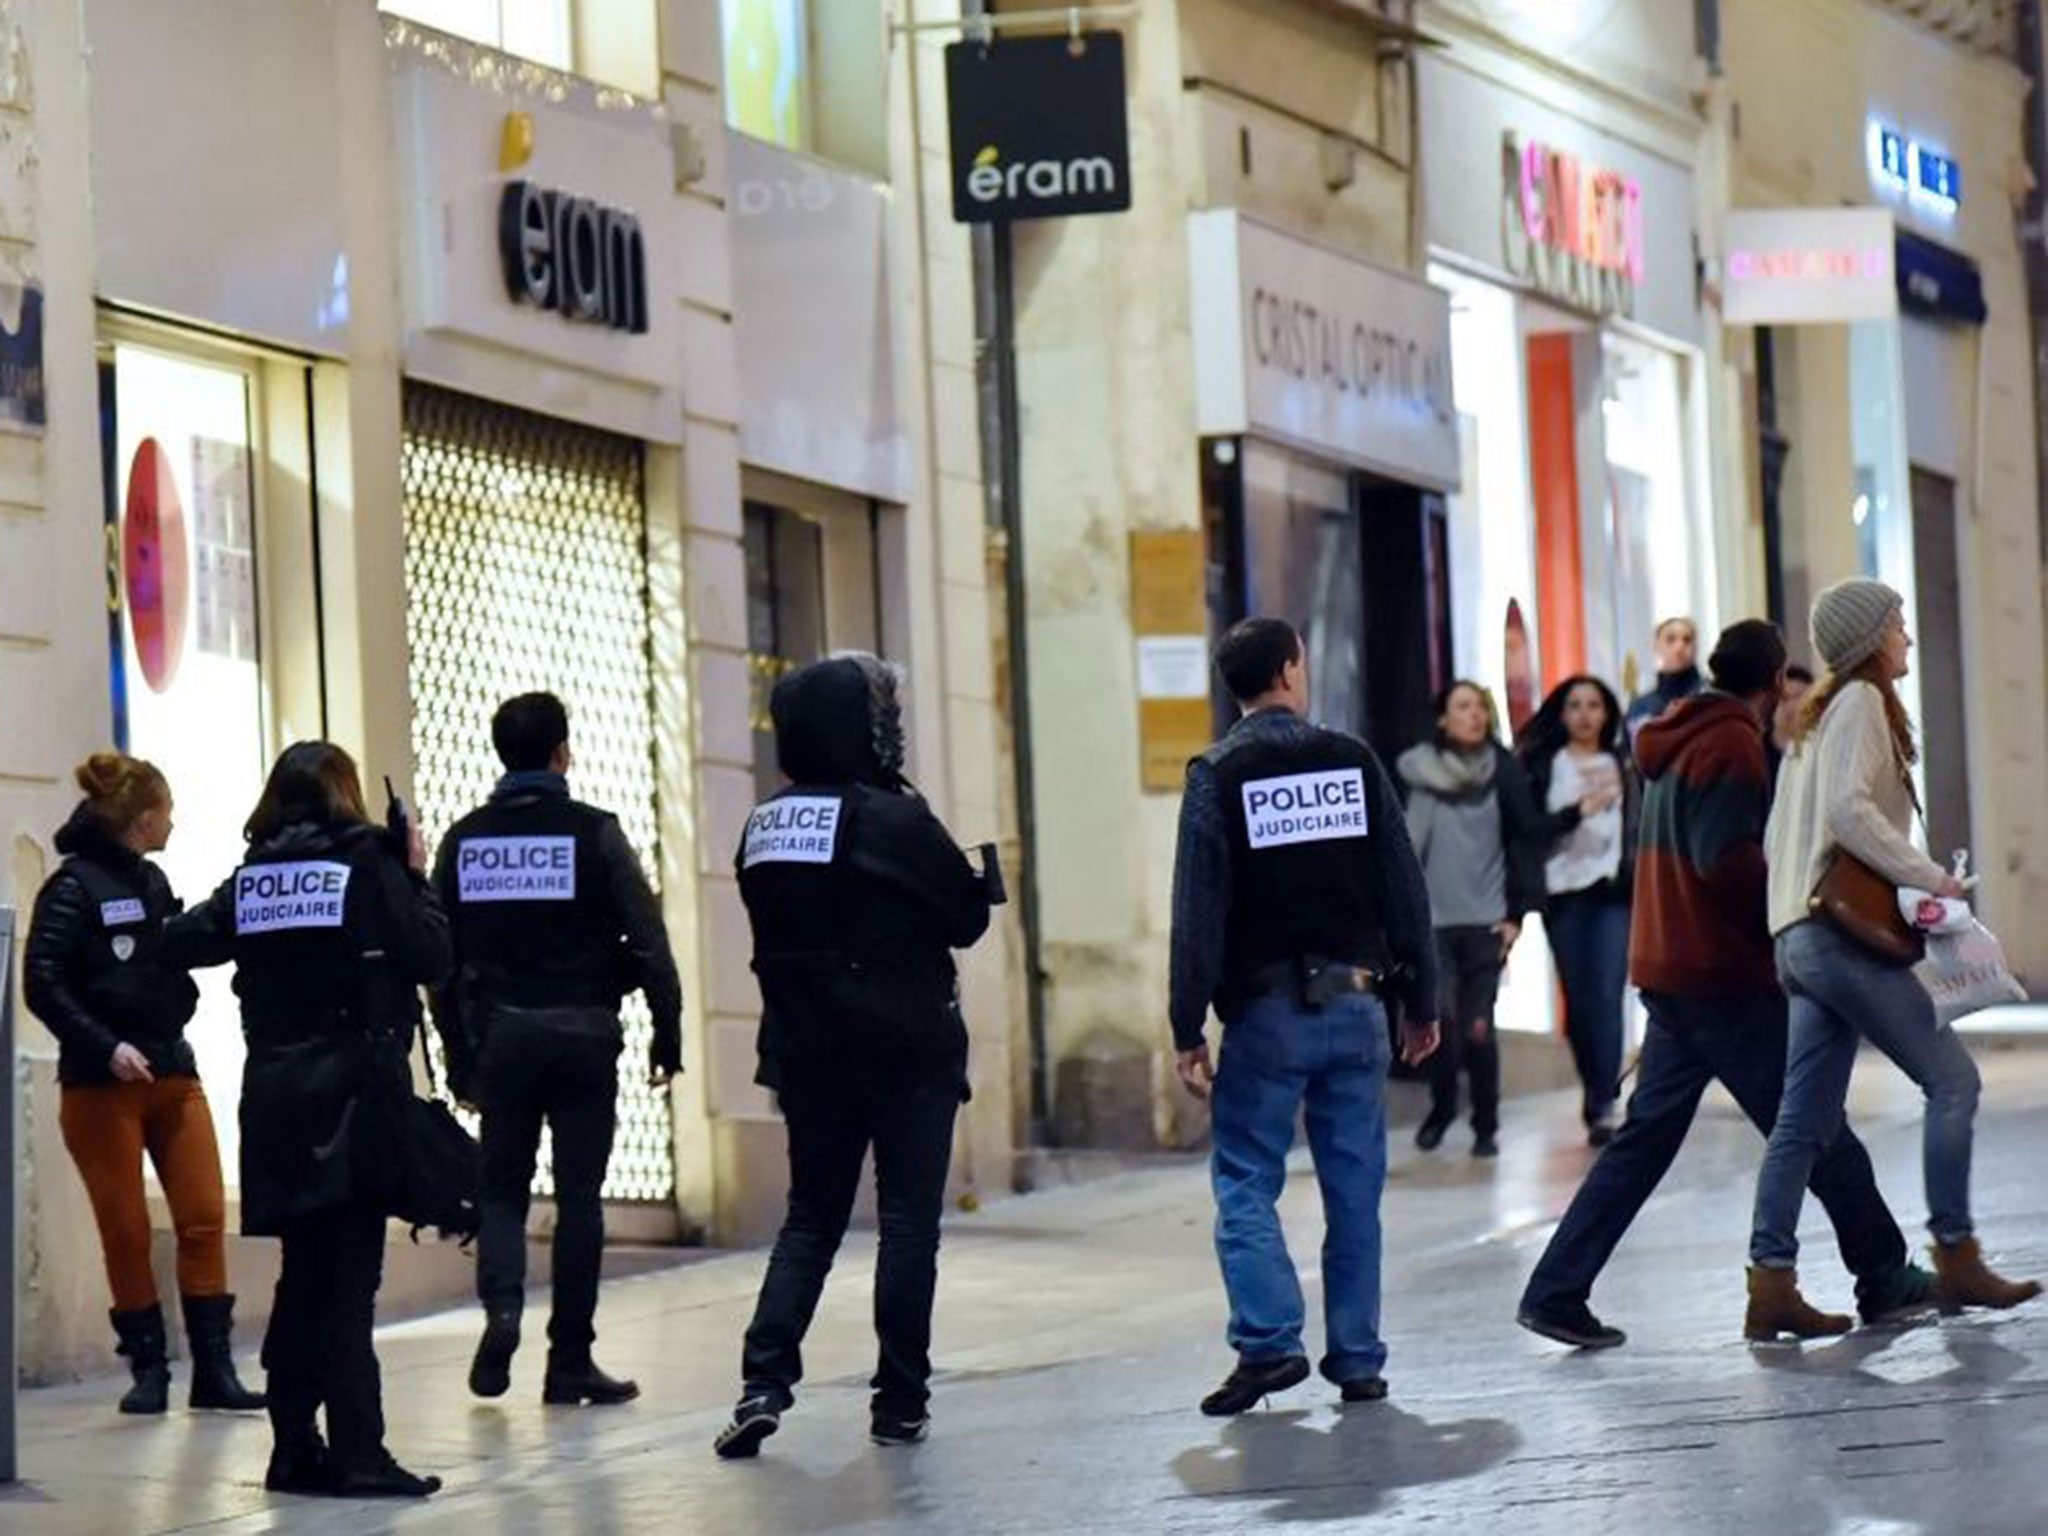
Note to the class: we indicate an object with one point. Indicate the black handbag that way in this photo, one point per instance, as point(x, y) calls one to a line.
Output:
point(419, 1162)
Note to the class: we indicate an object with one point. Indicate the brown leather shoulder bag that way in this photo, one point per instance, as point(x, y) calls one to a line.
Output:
point(1864, 906)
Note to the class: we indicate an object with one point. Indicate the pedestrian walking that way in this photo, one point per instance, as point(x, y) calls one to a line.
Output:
point(1701, 953)
point(96, 973)
point(1678, 673)
point(1474, 824)
point(553, 923)
point(858, 897)
point(1846, 793)
point(1300, 916)
point(332, 929)
point(1584, 782)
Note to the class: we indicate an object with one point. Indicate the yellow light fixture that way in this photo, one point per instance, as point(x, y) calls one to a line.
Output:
point(515, 141)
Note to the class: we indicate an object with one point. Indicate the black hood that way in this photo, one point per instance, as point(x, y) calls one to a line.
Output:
point(313, 839)
point(87, 836)
point(839, 722)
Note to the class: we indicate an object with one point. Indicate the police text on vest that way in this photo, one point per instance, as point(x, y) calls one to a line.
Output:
point(1305, 808)
point(271, 897)
point(118, 914)
point(797, 829)
point(515, 869)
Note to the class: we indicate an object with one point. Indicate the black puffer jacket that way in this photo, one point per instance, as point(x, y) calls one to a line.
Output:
point(95, 969)
point(324, 1003)
point(854, 949)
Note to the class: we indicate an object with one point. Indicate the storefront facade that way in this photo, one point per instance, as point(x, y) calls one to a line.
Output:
point(1875, 294)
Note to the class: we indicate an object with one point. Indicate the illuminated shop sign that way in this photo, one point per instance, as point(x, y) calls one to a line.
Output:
point(571, 255)
point(1903, 167)
point(1570, 228)
point(1809, 266)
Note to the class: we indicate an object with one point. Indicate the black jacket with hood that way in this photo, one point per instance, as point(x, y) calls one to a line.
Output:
point(94, 969)
point(323, 1007)
point(854, 949)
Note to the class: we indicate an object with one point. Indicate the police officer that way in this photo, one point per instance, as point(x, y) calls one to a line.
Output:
point(332, 930)
point(858, 897)
point(554, 922)
point(1299, 913)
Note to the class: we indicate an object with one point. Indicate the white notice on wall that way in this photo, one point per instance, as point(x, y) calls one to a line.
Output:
point(1173, 667)
point(1305, 808)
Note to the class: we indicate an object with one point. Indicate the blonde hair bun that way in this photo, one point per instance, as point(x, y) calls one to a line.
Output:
point(120, 788)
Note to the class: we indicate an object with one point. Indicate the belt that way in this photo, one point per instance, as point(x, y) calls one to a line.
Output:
point(1312, 979)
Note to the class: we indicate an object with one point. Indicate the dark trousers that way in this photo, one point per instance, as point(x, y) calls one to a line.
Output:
point(320, 1348)
point(1692, 1041)
point(1469, 967)
point(1589, 939)
point(831, 1126)
point(532, 1074)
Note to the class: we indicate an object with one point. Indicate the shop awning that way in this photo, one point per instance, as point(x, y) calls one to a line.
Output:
point(1937, 282)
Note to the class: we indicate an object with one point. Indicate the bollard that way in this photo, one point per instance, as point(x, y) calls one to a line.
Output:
point(10, 1368)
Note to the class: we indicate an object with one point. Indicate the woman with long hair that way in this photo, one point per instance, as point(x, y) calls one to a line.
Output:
point(332, 929)
point(96, 973)
point(1847, 791)
point(1474, 826)
point(1575, 749)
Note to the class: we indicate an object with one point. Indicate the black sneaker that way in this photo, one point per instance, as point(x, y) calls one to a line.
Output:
point(1364, 1389)
point(1906, 1293)
point(1485, 1146)
point(1573, 1324)
point(569, 1386)
point(381, 1477)
point(754, 1420)
point(885, 1428)
point(1430, 1134)
point(490, 1373)
point(1250, 1384)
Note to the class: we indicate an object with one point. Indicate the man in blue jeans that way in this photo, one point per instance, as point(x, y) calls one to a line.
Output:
point(1299, 912)
point(1701, 953)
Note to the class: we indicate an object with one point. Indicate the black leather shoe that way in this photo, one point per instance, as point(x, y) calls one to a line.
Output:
point(570, 1385)
point(1485, 1146)
point(298, 1464)
point(1252, 1382)
point(754, 1420)
point(1364, 1389)
point(490, 1373)
point(886, 1428)
point(1573, 1325)
point(1430, 1134)
point(382, 1478)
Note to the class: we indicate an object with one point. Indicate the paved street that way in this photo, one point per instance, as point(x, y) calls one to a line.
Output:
point(1078, 1327)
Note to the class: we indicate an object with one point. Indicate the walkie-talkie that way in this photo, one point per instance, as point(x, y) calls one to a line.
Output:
point(992, 875)
point(396, 816)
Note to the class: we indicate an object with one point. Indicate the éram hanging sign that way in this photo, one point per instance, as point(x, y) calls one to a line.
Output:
point(1038, 127)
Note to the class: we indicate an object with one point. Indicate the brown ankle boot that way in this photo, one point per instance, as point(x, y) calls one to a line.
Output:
point(1775, 1307)
point(1963, 1279)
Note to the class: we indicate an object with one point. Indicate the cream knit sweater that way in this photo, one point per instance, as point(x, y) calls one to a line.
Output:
point(1841, 789)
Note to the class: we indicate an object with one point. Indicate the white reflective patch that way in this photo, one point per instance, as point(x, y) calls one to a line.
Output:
point(516, 869)
point(124, 947)
point(272, 897)
point(798, 829)
point(1305, 808)
point(118, 914)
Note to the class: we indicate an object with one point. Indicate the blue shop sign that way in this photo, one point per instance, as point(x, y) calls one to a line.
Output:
point(21, 357)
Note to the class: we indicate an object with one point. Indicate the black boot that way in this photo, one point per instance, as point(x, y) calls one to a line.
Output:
point(381, 1477)
point(573, 1380)
point(142, 1341)
point(209, 1323)
point(490, 1373)
point(298, 1460)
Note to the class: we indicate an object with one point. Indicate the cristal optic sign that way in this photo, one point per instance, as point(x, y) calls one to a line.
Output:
point(1572, 229)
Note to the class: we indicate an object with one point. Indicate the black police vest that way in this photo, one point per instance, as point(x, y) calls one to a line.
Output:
point(125, 916)
point(309, 933)
point(1303, 870)
point(534, 922)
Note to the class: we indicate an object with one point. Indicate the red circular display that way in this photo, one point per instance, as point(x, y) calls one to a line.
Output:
point(156, 570)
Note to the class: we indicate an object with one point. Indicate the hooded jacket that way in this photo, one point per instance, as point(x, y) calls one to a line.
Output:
point(325, 1004)
point(856, 892)
point(1699, 926)
point(1669, 689)
point(1477, 830)
point(94, 969)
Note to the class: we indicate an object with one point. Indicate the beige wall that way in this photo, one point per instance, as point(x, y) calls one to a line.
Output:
point(1798, 140)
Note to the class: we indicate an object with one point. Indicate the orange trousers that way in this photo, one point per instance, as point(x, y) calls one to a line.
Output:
point(107, 1128)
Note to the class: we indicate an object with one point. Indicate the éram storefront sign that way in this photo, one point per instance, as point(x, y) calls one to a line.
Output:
point(1305, 346)
point(1038, 128)
point(1571, 229)
point(574, 256)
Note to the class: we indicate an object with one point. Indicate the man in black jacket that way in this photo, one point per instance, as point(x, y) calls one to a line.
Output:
point(1300, 915)
point(554, 922)
point(858, 897)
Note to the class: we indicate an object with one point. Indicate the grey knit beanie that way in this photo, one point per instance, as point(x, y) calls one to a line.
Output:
point(1849, 620)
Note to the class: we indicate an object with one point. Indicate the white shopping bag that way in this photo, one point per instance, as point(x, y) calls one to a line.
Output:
point(1965, 967)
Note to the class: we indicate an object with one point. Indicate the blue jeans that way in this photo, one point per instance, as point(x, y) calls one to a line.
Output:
point(1589, 936)
point(1842, 994)
point(1692, 1041)
point(1277, 1059)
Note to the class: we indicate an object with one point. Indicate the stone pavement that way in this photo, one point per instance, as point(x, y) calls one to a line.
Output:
point(1078, 1327)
